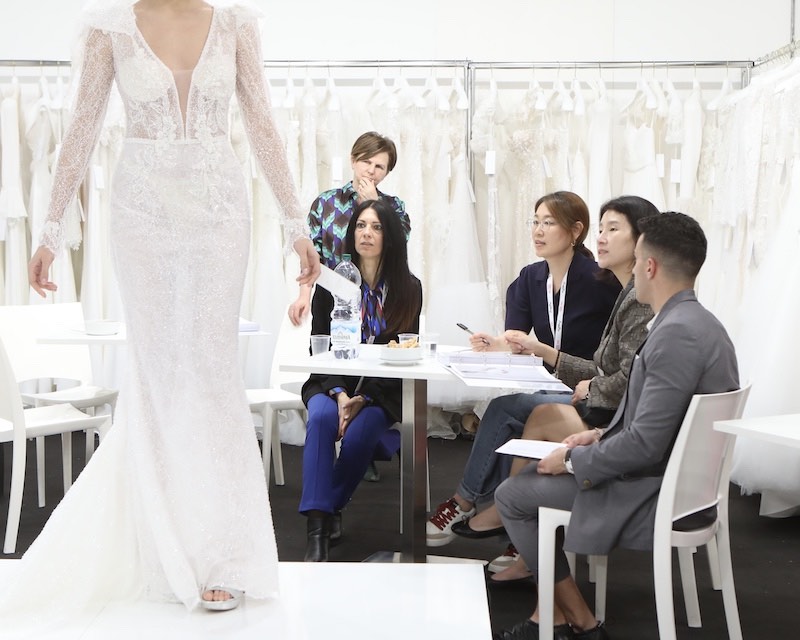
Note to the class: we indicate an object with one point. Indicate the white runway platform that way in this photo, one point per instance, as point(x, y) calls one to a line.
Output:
point(330, 601)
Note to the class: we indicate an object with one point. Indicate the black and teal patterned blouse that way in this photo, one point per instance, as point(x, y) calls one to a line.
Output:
point(330, 214)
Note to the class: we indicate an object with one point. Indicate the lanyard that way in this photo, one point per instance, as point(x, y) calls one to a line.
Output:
point(556, 324)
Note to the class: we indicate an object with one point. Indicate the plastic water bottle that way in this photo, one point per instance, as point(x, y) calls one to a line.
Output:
point(346, 315)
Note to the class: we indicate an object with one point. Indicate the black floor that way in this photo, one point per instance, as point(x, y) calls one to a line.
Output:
point(766, 552)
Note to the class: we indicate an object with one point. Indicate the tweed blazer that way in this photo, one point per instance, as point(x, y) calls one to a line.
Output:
point(686, 352)
point(608, 370)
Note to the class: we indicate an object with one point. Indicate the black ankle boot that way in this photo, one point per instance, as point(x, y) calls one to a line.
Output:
point(319, 534)
point(336, 527)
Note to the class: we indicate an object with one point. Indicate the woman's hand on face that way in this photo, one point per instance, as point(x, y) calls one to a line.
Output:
point(309, 261)
point(348, 410)
point(521, 342)
point(581, 391)
point(38, 270)
point(366, 190)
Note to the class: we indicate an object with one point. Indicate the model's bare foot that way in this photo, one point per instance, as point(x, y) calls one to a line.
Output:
point(216, 595)
point(516, 571)
point(486, 520)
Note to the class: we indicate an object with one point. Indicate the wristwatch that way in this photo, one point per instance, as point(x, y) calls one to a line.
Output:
point(568, 461)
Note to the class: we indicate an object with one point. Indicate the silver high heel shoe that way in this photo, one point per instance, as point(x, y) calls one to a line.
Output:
point(222, 605)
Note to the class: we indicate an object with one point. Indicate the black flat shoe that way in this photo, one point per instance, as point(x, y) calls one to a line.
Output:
point(465, 531)
point(598, 633)
point(529, 630)
point(527, 581)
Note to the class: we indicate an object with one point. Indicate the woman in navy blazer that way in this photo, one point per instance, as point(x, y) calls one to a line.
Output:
point(567, 303)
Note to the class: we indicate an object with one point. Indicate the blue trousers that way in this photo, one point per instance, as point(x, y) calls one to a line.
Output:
point(504, 419)
point(329, 482)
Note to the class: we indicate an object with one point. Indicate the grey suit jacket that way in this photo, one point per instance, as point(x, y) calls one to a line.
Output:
point(686, 352)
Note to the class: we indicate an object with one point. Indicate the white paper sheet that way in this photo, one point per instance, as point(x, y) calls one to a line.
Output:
point(536, 449)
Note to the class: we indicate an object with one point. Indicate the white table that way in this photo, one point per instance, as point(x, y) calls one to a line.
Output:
point(331, 600)
point(783, 430)
point(414, 428)
point(74, 335)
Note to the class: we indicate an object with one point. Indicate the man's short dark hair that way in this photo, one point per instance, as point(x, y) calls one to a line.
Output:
point(677, 241)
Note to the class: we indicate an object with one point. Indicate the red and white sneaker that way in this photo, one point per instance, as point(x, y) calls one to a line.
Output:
point(504, 561)
point(439, 528)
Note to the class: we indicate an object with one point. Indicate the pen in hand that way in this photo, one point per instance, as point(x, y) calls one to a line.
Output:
point(464, 327)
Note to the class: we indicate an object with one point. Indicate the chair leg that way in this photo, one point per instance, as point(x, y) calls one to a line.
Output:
point(66, 459)
point(713, 564)
point(18, 457)
point(662, 576)
point(689, 584)
point(726, 577)
point(277, 454)
point(549, 521)
point(266, 442)
point(40, 470)
point(600, 564)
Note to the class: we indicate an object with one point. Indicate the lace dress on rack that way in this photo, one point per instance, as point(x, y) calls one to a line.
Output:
point(174, 499)
point(526, 144)
point(457, 291)
point(39, 138)
point(487, 144)
point(600, 135)
point(13, 213)
point(640, 174)
point(768, 357)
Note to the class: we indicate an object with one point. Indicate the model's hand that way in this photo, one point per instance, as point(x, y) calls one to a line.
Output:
point(366, 190)
point(348, 410)
point(581, 391)
point(38, 271)
point(553, 464)
point(309, 261)
point(299, 308)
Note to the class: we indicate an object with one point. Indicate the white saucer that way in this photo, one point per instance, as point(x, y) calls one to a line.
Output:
point(400, 363)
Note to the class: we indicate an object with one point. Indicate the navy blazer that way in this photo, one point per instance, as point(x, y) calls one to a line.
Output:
point(586, 310)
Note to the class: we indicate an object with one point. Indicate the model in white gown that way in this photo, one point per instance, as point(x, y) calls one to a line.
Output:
point(174, 501)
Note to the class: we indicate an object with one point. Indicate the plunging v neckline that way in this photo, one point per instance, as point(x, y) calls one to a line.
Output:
point(172, 72)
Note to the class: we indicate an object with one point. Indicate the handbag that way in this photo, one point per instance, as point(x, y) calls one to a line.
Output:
point(594, 416)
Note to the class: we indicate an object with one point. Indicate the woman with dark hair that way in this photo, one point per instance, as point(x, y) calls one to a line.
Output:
point(562, 300)
point(357, 411)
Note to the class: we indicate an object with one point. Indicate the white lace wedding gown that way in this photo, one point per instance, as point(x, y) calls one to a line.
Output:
point(175, 499)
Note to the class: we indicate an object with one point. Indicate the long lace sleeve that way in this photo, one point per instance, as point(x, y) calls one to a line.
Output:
point(96, 77)
point(265, 141)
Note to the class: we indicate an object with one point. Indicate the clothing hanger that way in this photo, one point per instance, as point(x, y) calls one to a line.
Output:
point(289, 99)
point(332, 101)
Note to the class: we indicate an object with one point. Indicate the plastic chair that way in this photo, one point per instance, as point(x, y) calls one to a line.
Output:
point(696, 481)
point(18, 424)
point(292, 341)
point(66, 366)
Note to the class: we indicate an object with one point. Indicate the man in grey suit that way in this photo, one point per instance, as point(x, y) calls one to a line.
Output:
point(610, 480)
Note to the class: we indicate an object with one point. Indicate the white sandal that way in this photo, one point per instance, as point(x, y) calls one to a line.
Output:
point(222, 605)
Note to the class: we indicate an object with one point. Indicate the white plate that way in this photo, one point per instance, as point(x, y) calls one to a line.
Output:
point(400, 363)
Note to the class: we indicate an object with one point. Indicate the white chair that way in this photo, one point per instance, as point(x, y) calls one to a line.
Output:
point(696, 479)
point(18, 424)
point(65, 366)
point(292, 341)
